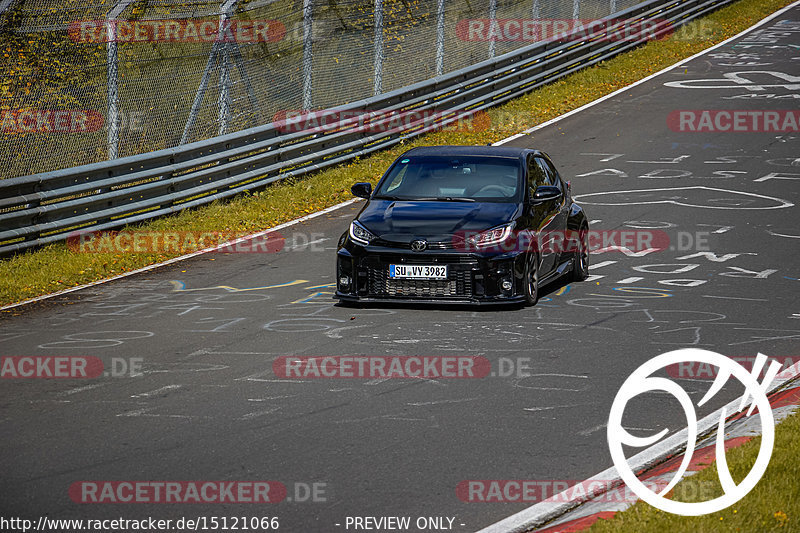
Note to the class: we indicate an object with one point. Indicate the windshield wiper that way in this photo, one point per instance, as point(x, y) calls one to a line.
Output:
point(387, 197)
point(447, 199)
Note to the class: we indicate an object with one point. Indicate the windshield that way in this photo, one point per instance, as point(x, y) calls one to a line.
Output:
point(465, 179)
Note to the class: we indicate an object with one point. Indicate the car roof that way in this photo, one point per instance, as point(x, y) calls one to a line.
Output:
point(449, 150)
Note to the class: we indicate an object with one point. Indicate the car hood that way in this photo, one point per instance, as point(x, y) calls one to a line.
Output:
point(401, 221)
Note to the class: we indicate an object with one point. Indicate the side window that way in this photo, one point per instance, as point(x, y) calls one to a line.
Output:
point(536, 175)
point(549, 172)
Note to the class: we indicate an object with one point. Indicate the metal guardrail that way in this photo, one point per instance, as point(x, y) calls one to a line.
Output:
point(48, 207)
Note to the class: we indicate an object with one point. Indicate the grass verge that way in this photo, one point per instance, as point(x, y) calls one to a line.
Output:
point(56, 267)
point(772, 506)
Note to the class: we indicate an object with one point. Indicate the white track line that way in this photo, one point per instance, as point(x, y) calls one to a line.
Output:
point(184, 257)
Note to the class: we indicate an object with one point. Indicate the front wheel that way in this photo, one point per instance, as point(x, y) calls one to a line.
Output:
point(531, 280)
point(580, 260)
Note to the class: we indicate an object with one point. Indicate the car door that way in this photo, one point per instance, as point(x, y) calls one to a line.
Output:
point(555, 222)
point(540, 216)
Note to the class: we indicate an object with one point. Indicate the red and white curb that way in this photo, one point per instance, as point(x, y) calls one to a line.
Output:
point(572, 510)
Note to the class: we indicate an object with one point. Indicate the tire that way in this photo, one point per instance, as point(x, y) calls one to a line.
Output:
point(531, 280)
point(580, 260)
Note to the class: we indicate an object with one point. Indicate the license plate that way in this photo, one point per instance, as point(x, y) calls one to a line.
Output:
point(418, 271)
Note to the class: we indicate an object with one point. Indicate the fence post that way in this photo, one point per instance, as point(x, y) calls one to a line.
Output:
point(536, 10)
point(492, 22)
point(440, 38)
point(224, 102)
point(576, 9)
point(112, 73)
point(308, 41)
point(378, 89)
point(613, 7)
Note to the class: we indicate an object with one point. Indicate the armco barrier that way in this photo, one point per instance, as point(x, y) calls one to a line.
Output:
point(47, 207)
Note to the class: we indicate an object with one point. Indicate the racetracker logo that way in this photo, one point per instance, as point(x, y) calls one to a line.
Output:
point(734, 120)
point(182, 242)
point(558, 241)
point(380, 120)
point(539, 30)
point(560, 490)
point(73, 366)
point(176, 31)
point(177, 492)
point(700, 370)
point(381, 367)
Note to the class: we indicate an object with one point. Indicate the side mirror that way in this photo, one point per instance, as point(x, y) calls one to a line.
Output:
point(546, 193)
point(362, 190)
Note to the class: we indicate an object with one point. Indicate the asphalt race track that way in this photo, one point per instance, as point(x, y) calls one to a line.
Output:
point(207, 404)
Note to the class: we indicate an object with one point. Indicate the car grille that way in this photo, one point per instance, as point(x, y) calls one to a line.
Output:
point(459, 285)
point(442, 245)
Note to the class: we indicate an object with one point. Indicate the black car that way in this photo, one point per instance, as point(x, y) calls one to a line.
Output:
point(466, 224)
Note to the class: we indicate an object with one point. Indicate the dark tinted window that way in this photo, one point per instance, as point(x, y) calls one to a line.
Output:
point(536, 174)
point(480, 179)
point(551, 177)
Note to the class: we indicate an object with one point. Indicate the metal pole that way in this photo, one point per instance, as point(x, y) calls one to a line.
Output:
point(440, 38)
point(238, 60)
point(378, 47)
point(223, 103)
point(536, 11)
point(576, 9)
point(198, 97)
point(308, 11)
point(613, 6)
point(112, 79)
point(112, 70)
point(492, 23)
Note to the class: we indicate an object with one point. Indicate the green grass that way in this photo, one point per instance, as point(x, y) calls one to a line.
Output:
point(55, 267)
point(772, 506)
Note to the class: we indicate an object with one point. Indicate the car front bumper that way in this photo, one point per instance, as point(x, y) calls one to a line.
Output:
point(472, 278)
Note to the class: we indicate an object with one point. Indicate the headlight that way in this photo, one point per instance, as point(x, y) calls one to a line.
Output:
point(491, 236)
point(360, 234)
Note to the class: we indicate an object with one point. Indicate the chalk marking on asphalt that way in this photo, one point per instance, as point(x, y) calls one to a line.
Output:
point(439, 402)
point(783, 203)
point(735, 298)
point(70, 392)
point(184, 257)
point(180, 286)
point(679, 64)
point(633, 279)
point(589, 431)
point(601, 264)
point(783, 235)
point(155, 392)
point(550, 408)
point(271, 398)
point(537, 515)
point(256, 414)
